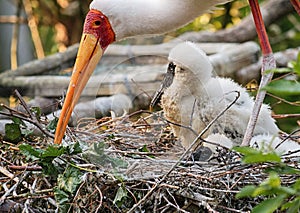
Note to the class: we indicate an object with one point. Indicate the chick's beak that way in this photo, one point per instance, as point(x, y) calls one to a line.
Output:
point(89, 54)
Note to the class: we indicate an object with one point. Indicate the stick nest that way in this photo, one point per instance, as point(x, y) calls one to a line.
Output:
point(136, 174)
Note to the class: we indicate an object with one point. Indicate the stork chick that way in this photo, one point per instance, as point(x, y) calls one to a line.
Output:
point(191, 97)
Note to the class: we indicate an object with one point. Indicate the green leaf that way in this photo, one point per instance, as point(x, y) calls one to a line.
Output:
point(74, 148)
point(283, 88)
point(53, 151)
point(269, 205)
point(62, 198)
point(36, 111)
point(144, 148)
point(13, 132)
point(52, 125)
point(296, 185)
point(273, 180)
point(121, 194)
point(297, 65)
point(292, 206)
point(247, 191)
point(252, 155)
point(18, 121)
point(70, 179)
point(261, 158)
point(95, 154)
point(279, 70)
point(30, 152)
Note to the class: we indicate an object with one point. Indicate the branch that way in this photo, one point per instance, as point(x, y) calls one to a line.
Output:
point(272, 11)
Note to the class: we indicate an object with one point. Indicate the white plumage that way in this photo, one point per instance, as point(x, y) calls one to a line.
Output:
point(194, 98)
point(130, 18)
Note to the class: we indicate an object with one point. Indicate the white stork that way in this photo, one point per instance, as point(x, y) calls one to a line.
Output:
point(191, 97)
point(111, 20)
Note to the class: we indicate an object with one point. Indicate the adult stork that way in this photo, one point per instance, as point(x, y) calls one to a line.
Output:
point(111, 20)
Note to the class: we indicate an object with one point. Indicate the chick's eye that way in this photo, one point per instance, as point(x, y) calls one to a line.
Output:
point(179, 69)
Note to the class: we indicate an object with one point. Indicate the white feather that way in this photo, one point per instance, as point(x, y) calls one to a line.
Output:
point(195, 98)
point(149, 17)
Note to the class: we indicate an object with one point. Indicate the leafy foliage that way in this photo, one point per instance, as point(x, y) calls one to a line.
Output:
point(96, 155)
point(68, 183)
point(13, 132)
point(285, 198)
point(46, 158)
point(121, 195)
point(285, 92)
point(252, 155)
point(283, 87)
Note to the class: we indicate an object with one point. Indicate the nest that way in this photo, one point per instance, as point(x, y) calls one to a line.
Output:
point(144, 171)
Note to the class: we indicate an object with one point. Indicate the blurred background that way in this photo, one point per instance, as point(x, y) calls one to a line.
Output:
point(32, 29)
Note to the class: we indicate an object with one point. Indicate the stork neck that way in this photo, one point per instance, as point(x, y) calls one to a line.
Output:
point(149, 17)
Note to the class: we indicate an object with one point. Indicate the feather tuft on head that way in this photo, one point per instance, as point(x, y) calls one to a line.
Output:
point(190, 56)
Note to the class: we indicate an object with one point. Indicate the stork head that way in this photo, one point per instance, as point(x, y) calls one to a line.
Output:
point(97, 35)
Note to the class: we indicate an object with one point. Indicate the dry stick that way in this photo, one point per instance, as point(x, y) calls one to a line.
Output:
point(27, 168)
point(184, 154)
point(14, 40)
point(268, 63)
point(34, 30)
point(35, 123)
point(26, 117)
point(296, 103)
point(11, 19)
point(33, 117)
point(288, 137)
point(101, 198)
point(23, 103)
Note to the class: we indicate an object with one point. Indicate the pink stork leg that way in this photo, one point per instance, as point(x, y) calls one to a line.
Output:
point(296, 4)
point(267, 64)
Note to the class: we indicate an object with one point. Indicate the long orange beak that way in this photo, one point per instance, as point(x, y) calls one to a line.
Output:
point(89, 54)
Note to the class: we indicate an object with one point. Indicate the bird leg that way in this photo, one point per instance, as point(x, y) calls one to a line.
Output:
point(267, 64)
point(296, 4)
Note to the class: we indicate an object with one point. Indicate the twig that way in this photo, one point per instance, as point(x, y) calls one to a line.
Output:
point(133, 152)
point(27, 168)
point(34, 30)
point(280, 116)
point(184, 154)
point(43, 191)
point(173, 205)
point(29, 117)
point(23, 103)
point(101, 198)
point(12, 188)
point(14, 40)
point(207, 206)
point(296, 103)
point(8, 174)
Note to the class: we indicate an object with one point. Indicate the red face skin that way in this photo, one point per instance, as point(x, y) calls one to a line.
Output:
point(97, 35)
point(97, 24)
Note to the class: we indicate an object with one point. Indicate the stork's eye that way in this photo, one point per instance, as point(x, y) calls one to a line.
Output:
point(96, 23)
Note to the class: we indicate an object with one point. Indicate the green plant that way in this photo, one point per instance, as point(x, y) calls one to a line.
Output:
point(276, 196)
point(284, 95)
